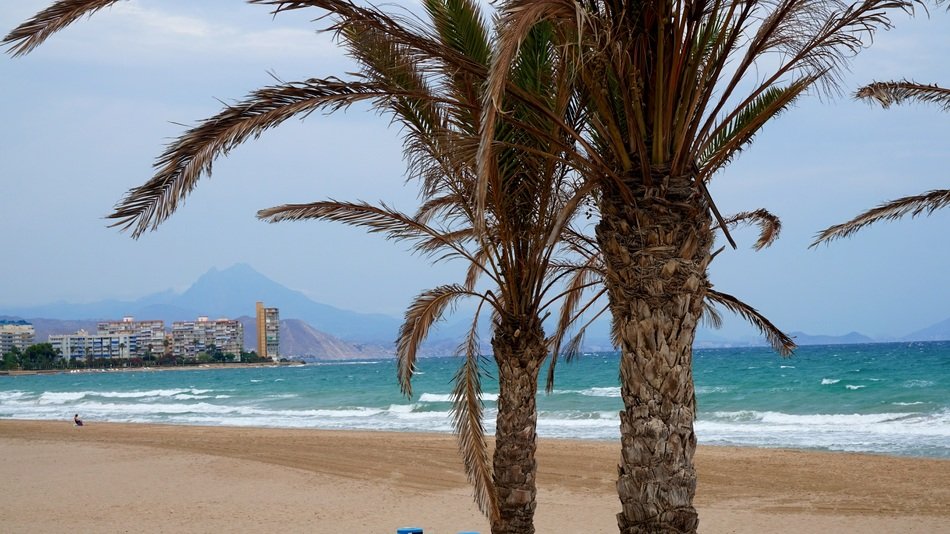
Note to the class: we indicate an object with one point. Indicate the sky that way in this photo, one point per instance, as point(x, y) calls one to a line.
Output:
point(83, 117)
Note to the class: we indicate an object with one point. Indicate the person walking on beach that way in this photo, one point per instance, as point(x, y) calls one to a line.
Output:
point(77, 420)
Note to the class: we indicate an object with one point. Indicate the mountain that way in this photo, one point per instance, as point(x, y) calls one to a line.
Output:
point(935, 332)
point(851, 338)
point(231, 292)
point(298, 338)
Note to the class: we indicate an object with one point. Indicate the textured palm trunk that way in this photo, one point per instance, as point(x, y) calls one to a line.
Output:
point(519, 351)
point(656, 252)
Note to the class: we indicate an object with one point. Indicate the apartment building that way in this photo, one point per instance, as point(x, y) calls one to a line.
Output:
point(145, 337)
point(19, 334)
point(127, 338)
point(83, 345)
point(268, 332)
point(189, 338)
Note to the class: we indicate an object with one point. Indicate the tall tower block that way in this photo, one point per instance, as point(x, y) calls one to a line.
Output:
point(268, 332)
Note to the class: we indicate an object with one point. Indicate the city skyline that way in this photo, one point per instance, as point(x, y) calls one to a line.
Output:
point(87, 112)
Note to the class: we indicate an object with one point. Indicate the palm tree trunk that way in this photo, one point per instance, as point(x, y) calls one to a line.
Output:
point(656, 252)
point(519, 351)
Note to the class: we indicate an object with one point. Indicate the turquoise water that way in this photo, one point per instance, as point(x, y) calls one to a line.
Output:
point(881, 398)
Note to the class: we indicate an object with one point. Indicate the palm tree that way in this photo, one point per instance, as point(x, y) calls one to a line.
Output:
point(673, 91)
point(886, 94)
point(439, 107)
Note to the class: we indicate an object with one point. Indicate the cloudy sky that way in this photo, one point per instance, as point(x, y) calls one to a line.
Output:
point(83, 116)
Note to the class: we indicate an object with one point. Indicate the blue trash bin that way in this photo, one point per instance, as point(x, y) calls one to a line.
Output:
point(409, 530)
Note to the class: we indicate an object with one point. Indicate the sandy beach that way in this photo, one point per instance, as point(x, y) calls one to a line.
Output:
point(153, 478)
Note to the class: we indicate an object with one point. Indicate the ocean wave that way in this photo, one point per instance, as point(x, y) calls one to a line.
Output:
point(853, 387)
point(447, 397)
point(918, 383)
point(703, 390)
point(898, 424)
point(68, 397)
point(829, 381)
point(601, 392)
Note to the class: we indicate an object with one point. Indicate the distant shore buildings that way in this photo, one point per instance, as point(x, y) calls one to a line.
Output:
point(129, 338)
point(19, 334)
point(268, 332)
point(221, 339)
point(190, 338)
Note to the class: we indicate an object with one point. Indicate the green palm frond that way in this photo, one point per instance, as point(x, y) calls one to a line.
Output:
point(890, 93)
point(731, 137)
point(459, 25)
point(59, 15)
point(914, 205)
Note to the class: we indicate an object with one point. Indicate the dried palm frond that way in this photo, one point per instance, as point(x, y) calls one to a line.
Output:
point(425, 311)
point(467, 412)
point(780, 341)
point(60, 14)
point(891, 93)
point(770, 226)
point(180, 167)
point(914, 205)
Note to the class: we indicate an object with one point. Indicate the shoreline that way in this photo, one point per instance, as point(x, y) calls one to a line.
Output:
point(197, 367)
point(200, 479)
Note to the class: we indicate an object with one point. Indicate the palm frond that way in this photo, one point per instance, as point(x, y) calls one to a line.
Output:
point(180, 167)
point(425, 310)
point(780, 342)
point(890, 93)
point(467, 416)
point(914, 205)
point(383, 219)
point(733, 136)
point(711, 316)
point(770, 226)
point(59, 15)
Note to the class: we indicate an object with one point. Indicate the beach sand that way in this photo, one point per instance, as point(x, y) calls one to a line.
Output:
point(153, 478)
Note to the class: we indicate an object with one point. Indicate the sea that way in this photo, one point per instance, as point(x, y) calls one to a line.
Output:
point(876, 398)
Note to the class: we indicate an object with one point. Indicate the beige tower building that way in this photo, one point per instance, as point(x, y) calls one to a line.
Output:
point(268, 332)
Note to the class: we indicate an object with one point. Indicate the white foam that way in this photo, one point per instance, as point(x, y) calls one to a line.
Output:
point(702, 390)
point(829, 381)
point(849, 386)
point(602, 392)
point(447, 397)
point(50, 397)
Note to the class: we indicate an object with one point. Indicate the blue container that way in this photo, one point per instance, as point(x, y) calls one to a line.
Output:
point(409, 530)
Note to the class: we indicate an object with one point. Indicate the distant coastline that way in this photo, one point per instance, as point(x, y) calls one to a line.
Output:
point(199, 367)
